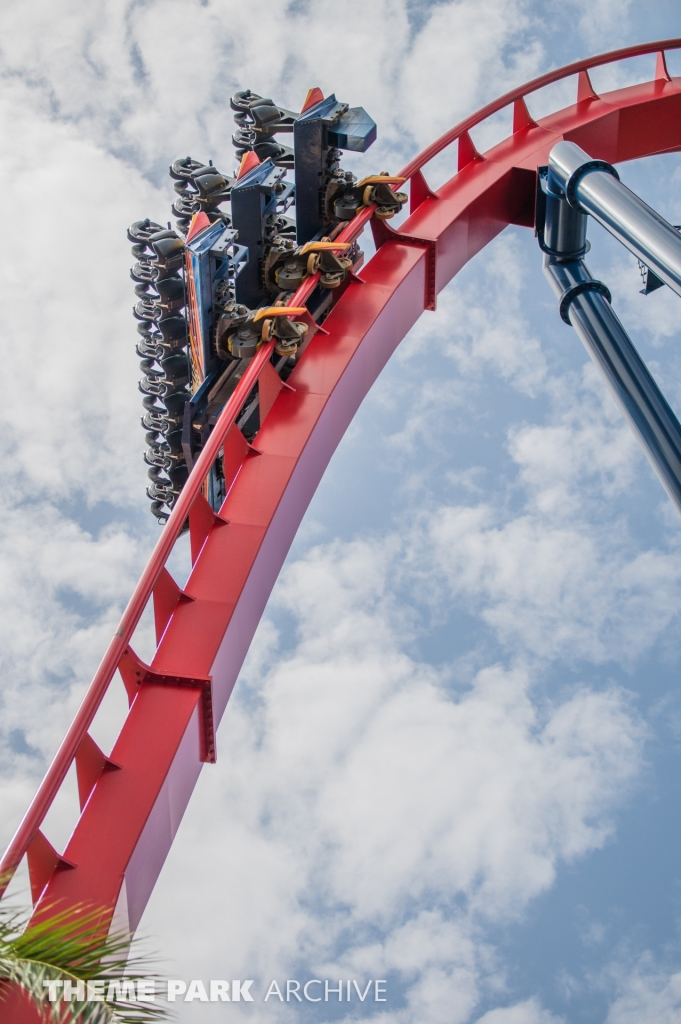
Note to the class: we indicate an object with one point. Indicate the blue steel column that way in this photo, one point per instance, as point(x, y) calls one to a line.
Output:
point(585, 305)
point(594, 187)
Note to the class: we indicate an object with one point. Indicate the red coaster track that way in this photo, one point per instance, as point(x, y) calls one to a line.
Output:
point(133, 800)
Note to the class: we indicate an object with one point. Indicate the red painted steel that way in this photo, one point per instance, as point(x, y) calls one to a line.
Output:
point(495, 106)
point(138, 602)
point(134, 799)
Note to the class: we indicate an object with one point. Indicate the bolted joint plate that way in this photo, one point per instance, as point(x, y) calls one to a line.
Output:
point(135, 674)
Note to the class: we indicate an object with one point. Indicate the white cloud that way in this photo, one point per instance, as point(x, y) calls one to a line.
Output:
point(481, 43)
point(492, 334)
point(554, 591)
point(586, 448)
point(146, 77)
point(70, 413)
point(364, 813)
point(611, 20)
point(645, 993)
point(550, 564)
point(528, 1012)
point(61, 593)
point(391, 817)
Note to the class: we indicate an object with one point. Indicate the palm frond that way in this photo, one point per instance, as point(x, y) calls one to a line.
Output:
point(68, 946)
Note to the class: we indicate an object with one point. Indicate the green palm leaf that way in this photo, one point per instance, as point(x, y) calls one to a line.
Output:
point(68, 946)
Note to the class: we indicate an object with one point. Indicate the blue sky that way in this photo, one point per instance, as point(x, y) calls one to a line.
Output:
point(452, 759)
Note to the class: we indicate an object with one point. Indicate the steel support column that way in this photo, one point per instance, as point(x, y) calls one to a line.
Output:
point(585, 304)
point(594, 187)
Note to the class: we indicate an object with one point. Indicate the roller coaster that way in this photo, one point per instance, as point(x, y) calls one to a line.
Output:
point(259, 335)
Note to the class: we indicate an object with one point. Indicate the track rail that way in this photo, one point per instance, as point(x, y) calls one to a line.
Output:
point(132, 800)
